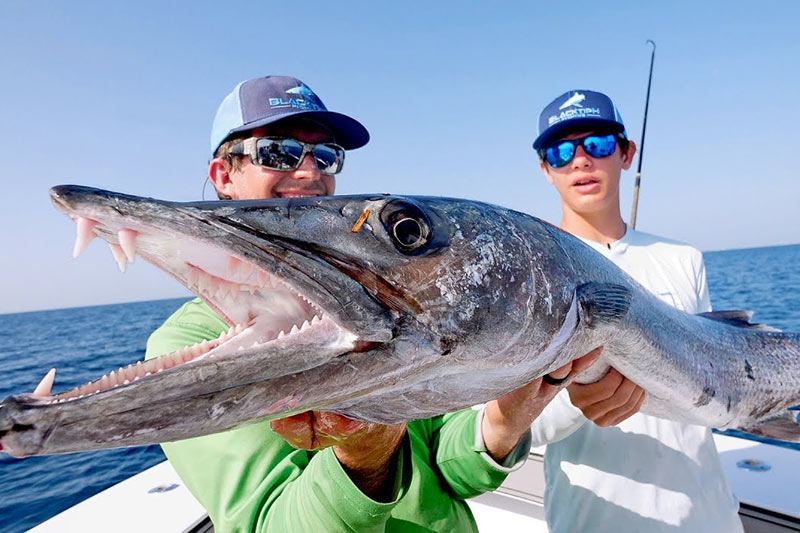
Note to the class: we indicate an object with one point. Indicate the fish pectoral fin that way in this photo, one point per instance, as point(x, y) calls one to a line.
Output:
point(784, 426)
point(738, 318)
point(602, 303)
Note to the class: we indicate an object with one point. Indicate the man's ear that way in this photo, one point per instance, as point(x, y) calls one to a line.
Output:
point(219, 174)
point(627, 157)
point(545, 171)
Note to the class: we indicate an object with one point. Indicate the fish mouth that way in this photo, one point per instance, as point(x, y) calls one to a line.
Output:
point(269, 302)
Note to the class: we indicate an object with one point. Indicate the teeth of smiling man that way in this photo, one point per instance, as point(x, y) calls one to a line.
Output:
point(85, 235)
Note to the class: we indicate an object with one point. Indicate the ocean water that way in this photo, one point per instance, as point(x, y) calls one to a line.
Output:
point(84, 343)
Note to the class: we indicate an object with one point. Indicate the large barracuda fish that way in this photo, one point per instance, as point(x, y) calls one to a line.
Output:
point(388, 309)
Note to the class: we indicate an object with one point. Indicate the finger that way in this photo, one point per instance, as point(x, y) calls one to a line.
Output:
point(582, 363)
point(336, 425)
point(562, 372)
point(583, 396)
point(614, 417)
point(296, 430)
point(620, 398)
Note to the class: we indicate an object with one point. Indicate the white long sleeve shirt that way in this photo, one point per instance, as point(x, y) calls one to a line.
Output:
point(646, 474)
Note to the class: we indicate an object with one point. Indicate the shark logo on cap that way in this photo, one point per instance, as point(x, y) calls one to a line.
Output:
point(574, 100)
point(300, 97)
point(301, 89)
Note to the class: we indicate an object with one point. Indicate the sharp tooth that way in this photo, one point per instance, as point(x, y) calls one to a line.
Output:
point(119, 256)
point(315, 319)
point(305, 324)
point(85, 235)
point(213, 286)
point(233, 266)
point(127, 240)
point(281, 334)
point(105, 382)
point(45, 387)
point(245, 269)
point(294, 330)
point(192, 277)
point(204, 283)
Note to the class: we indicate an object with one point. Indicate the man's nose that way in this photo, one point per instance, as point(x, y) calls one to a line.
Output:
point(581, 159)
point(308, 169)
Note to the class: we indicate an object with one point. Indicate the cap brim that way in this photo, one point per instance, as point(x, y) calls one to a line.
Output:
point(348, 132)
point(576, 124)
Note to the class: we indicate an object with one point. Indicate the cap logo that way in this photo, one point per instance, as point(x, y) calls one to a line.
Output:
point(574, 100)
point(305, 99)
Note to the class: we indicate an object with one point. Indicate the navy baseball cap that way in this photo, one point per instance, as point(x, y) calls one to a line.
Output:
point(578, 109)
point(261, 101)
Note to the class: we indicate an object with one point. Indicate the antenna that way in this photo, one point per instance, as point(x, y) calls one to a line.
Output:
point(641, 144)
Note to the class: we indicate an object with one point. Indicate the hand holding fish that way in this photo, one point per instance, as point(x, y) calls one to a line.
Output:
point(507, 418)
point(608, 401)
point(365, 450)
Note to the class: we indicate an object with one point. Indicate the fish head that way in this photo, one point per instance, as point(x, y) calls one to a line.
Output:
point(379, 267)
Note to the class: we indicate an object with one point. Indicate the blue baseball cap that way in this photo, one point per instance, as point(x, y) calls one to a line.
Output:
point(261, 101)
point(578, 109)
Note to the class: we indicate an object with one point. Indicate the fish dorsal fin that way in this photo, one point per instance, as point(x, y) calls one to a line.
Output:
point(602, 303)
point(737, 318)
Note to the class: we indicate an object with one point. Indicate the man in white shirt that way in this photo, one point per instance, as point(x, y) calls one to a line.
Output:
point(644, 474)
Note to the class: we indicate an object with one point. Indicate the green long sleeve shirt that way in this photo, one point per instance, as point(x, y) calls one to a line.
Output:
point(249, 479)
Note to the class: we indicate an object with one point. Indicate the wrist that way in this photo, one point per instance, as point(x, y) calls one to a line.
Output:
point(500, 434)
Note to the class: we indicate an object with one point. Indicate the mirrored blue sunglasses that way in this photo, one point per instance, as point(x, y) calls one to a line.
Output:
point(561, 152)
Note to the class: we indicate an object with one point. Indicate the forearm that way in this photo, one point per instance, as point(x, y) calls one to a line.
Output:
point(462, 459)
point(558, 420)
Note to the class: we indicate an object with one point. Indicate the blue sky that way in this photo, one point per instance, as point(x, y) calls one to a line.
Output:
point(121, 96)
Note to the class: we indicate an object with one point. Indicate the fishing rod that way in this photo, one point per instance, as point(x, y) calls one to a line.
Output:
point(641, 144)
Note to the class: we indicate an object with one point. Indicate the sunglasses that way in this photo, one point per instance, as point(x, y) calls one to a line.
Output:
point(562, 152)
point(282, 153)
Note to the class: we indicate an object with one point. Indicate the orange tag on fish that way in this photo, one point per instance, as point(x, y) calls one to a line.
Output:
point(360, 222)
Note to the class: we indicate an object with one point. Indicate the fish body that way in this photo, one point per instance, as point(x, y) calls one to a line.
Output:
point(388, 309)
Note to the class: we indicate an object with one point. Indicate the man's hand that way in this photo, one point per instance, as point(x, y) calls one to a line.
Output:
point(507, 418)
point(366, 451)
point(609, 400)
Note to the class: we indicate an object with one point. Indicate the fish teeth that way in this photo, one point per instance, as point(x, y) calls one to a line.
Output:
point(127, 241)
point(294, 330)
point(119, 256)
point(315, 320)
point(245, 270)
point(45, 387)
point(85, 227)
point(234, 263)
point(192, 277)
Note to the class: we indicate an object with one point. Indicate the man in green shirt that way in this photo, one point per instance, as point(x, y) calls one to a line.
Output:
point(321, 471)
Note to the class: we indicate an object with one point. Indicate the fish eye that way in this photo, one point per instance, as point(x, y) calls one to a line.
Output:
point(407, 225)
point(408, 233)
